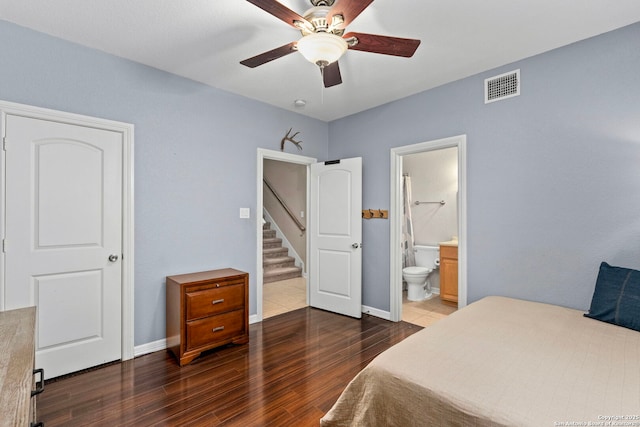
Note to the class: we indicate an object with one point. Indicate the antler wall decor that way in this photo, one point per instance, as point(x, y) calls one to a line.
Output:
point(289, 137)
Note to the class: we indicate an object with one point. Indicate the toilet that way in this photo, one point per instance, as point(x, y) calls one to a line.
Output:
point(417, 278)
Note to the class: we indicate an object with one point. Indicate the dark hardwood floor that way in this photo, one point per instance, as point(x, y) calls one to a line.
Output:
point(291, 372)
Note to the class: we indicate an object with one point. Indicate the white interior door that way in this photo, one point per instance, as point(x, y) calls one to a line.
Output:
point(63, 239)
point(335, 261)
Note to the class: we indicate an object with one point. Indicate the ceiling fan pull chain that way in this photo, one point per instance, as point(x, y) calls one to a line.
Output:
point(322, 87)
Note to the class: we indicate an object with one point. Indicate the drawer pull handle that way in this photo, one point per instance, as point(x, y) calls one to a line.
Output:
point(218, 329)
point(217, 301)
point(39, 384)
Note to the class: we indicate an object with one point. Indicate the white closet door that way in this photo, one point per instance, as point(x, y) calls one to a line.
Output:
point(63, 241)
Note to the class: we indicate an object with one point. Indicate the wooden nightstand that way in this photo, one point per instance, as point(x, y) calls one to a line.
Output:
point(206, 310)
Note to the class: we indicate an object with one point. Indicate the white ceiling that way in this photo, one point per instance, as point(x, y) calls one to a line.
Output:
point(205, 40)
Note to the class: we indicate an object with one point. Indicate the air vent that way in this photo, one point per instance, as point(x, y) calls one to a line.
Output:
point(500, 87)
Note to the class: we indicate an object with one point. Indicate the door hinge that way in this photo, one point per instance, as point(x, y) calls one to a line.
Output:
point(4, 245)
point(4, 143)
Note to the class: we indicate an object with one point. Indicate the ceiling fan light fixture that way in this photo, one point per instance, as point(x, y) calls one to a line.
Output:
point(322, 48)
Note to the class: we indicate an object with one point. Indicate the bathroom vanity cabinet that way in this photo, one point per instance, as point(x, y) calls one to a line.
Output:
point(449, 274)
point(206, 310)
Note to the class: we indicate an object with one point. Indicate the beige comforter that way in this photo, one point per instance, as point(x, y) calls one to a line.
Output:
point(500, 362)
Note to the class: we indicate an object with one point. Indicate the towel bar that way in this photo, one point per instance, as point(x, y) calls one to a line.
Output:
point(442, 202)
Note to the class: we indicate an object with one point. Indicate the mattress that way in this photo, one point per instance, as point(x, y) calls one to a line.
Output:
point(500, 362)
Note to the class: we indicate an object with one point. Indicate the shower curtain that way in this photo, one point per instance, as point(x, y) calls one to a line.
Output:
point(408, 254)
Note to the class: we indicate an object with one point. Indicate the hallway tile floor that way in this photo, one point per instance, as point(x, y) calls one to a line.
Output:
point(283, 296)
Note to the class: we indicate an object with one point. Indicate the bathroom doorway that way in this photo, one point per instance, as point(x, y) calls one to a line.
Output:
point(431, 202)
point(437, 174)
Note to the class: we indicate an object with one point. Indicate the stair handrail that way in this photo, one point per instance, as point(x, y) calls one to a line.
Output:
point(284, 205)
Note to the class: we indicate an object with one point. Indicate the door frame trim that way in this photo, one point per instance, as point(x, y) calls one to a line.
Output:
point(263, 154)
point(395, 224)
point(127, 131)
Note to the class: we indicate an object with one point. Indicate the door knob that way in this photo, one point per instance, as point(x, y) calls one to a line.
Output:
point(113, 257)
point(355, 245)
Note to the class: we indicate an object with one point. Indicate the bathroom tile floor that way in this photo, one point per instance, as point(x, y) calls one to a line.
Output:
point(424, 313)
point(283, 296)
point(288, 295)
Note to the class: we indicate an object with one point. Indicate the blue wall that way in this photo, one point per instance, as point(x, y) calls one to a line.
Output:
point(553, 174)
point(195, 155)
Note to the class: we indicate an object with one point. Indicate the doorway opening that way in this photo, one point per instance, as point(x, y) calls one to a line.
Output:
point(282, 208)
point(284, 237)
point(430, 221)
point(333, 212)
point(403, 159)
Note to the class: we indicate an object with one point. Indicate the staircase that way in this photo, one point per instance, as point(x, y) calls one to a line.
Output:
point(276, 263)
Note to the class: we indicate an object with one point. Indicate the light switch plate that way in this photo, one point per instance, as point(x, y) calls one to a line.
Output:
point(245, 213)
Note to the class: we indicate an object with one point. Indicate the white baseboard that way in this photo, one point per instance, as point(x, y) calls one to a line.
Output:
point(376, 312)
point(150, 347)
point(154, 346)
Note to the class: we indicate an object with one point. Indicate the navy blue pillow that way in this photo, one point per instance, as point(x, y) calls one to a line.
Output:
point(616, 298)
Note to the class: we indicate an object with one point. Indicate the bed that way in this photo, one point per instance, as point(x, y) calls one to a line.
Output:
point(501, 362)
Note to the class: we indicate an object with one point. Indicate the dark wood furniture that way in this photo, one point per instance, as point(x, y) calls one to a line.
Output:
point(206, 310)
point(17, 376)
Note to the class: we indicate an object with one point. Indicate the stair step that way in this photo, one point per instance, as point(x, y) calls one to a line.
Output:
point(278, 274)
point(271, 242)
point(278, 262)
point(274, 252)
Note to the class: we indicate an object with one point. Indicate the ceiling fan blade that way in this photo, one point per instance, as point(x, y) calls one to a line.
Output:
point(349, 9)
point(331, 75)
point(385, 45)
point(281, 12)
point(265, 57)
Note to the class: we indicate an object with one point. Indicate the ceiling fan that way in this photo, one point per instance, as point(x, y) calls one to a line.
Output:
point(323, 40)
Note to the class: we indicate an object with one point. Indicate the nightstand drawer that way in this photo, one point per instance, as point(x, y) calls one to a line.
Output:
point(214, 301)
point(215, 328)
